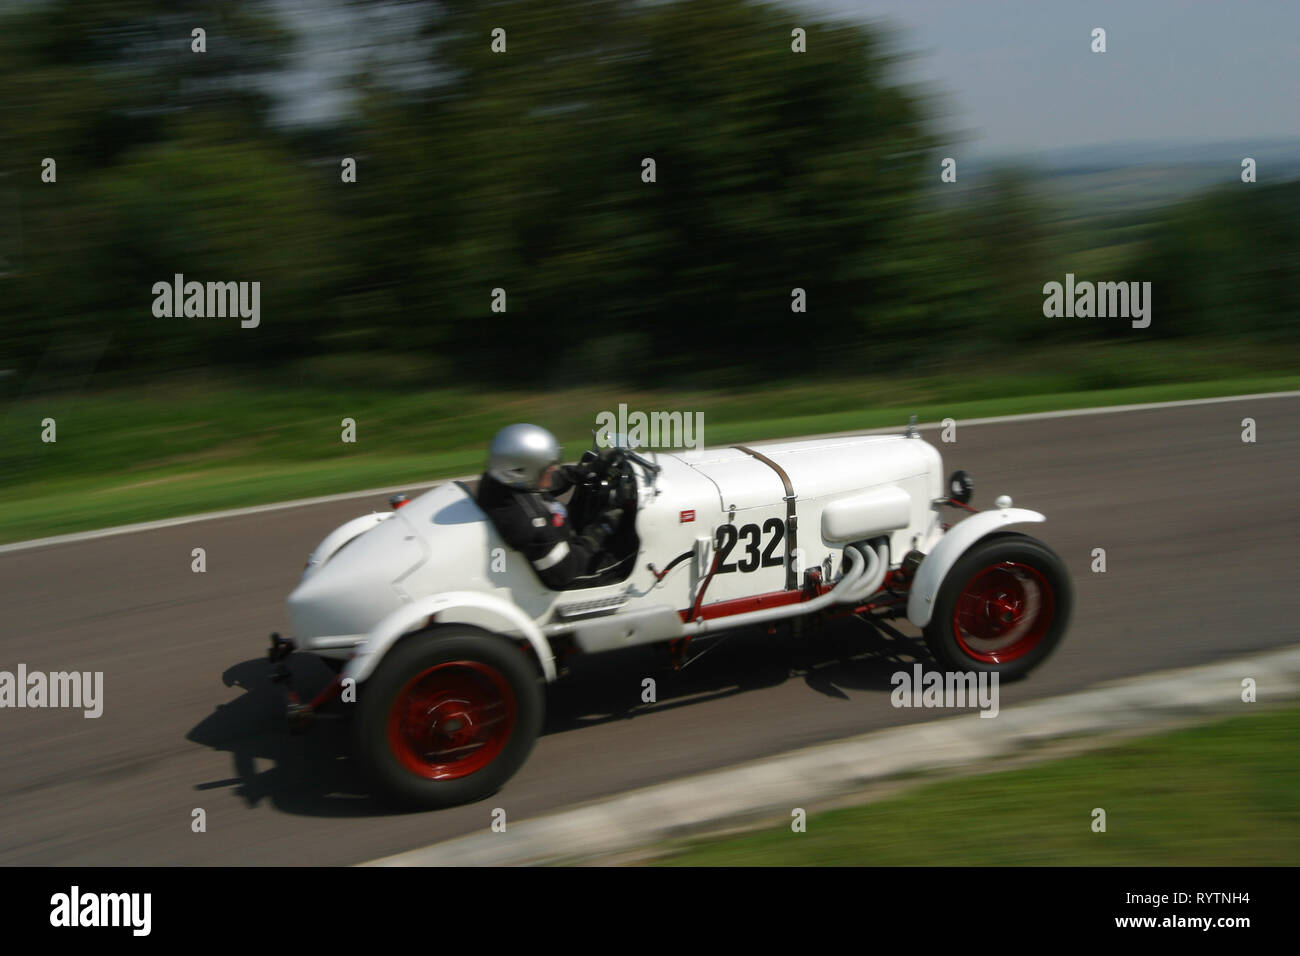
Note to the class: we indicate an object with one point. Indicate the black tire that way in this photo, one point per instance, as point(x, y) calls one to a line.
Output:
point(482, 678)
point(1003, 586)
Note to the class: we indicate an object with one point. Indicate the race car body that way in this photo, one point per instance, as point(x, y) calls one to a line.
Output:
point(447, 634)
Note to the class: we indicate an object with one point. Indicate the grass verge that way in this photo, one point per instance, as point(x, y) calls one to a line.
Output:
point(1223, 794)
point(180, 448)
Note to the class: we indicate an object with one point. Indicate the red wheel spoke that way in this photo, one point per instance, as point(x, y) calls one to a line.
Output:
point(1002, 612)
point(451, 720)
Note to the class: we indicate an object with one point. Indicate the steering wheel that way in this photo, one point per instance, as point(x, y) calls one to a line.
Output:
point(609, 482)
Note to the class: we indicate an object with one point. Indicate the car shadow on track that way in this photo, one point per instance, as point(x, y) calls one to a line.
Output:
point(309, 774)
point(830, 659)
point(312, 774)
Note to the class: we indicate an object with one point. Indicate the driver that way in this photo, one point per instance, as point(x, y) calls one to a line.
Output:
point(518, 493)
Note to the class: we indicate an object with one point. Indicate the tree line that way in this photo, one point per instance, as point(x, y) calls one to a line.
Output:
point(524, 170)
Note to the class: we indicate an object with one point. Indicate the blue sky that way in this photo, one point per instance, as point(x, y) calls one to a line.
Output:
point(1020, 74)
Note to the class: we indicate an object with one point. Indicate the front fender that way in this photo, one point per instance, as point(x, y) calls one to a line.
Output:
point(480, 609)
point(341, 536)
point(935, 567)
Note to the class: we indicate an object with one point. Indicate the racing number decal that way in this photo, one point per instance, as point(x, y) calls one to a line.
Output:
point(726, 541)
point(770, 558)
point(729, 536)
point(750, 562)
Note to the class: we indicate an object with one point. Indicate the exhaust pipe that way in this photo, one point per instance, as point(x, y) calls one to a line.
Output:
point(863, 570)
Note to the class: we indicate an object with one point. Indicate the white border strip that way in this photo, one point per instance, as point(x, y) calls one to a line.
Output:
point(374, 492)
point(206, 516)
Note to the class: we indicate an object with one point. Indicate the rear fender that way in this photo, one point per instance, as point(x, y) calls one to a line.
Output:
point(935, 567)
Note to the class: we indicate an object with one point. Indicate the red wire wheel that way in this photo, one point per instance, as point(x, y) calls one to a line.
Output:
point(452, 719)
point(1003, 607)
point(448, 716)
point(1002, 612)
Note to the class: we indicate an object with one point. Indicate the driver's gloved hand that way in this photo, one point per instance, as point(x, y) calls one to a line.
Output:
point(598, 531)
point(573, 474)
point(610, 520)
point(598, 462)
point(566, 476)
point(590, 461)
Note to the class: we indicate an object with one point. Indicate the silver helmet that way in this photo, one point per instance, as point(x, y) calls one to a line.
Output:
point(520, 453)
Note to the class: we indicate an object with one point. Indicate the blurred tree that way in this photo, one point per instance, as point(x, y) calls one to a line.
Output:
point(775, 170)
point(1225, 263)
point(522, 170)
point(96, 85)
point(87, 80)
point(1008, 244)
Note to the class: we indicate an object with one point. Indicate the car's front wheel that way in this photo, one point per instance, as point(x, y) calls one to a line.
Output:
point(448, 717)
point(1003, 607)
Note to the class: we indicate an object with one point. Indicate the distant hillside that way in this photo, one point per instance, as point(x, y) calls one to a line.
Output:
point(1279, 153)
point(1127, 178)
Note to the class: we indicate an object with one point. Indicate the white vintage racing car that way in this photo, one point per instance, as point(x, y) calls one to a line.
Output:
point(447, 636)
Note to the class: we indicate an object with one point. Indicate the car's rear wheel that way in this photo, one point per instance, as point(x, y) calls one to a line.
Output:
point(1003, 607)
point(448, 717)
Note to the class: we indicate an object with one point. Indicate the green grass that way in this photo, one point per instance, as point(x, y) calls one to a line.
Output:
point(200, 445)
point(1226, 794)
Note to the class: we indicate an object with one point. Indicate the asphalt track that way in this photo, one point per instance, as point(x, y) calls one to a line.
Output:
point(1200, 532)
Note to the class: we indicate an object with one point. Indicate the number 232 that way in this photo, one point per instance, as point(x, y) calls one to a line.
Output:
point(729, 536)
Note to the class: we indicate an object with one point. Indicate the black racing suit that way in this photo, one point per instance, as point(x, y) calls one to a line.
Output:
point(537, 526)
